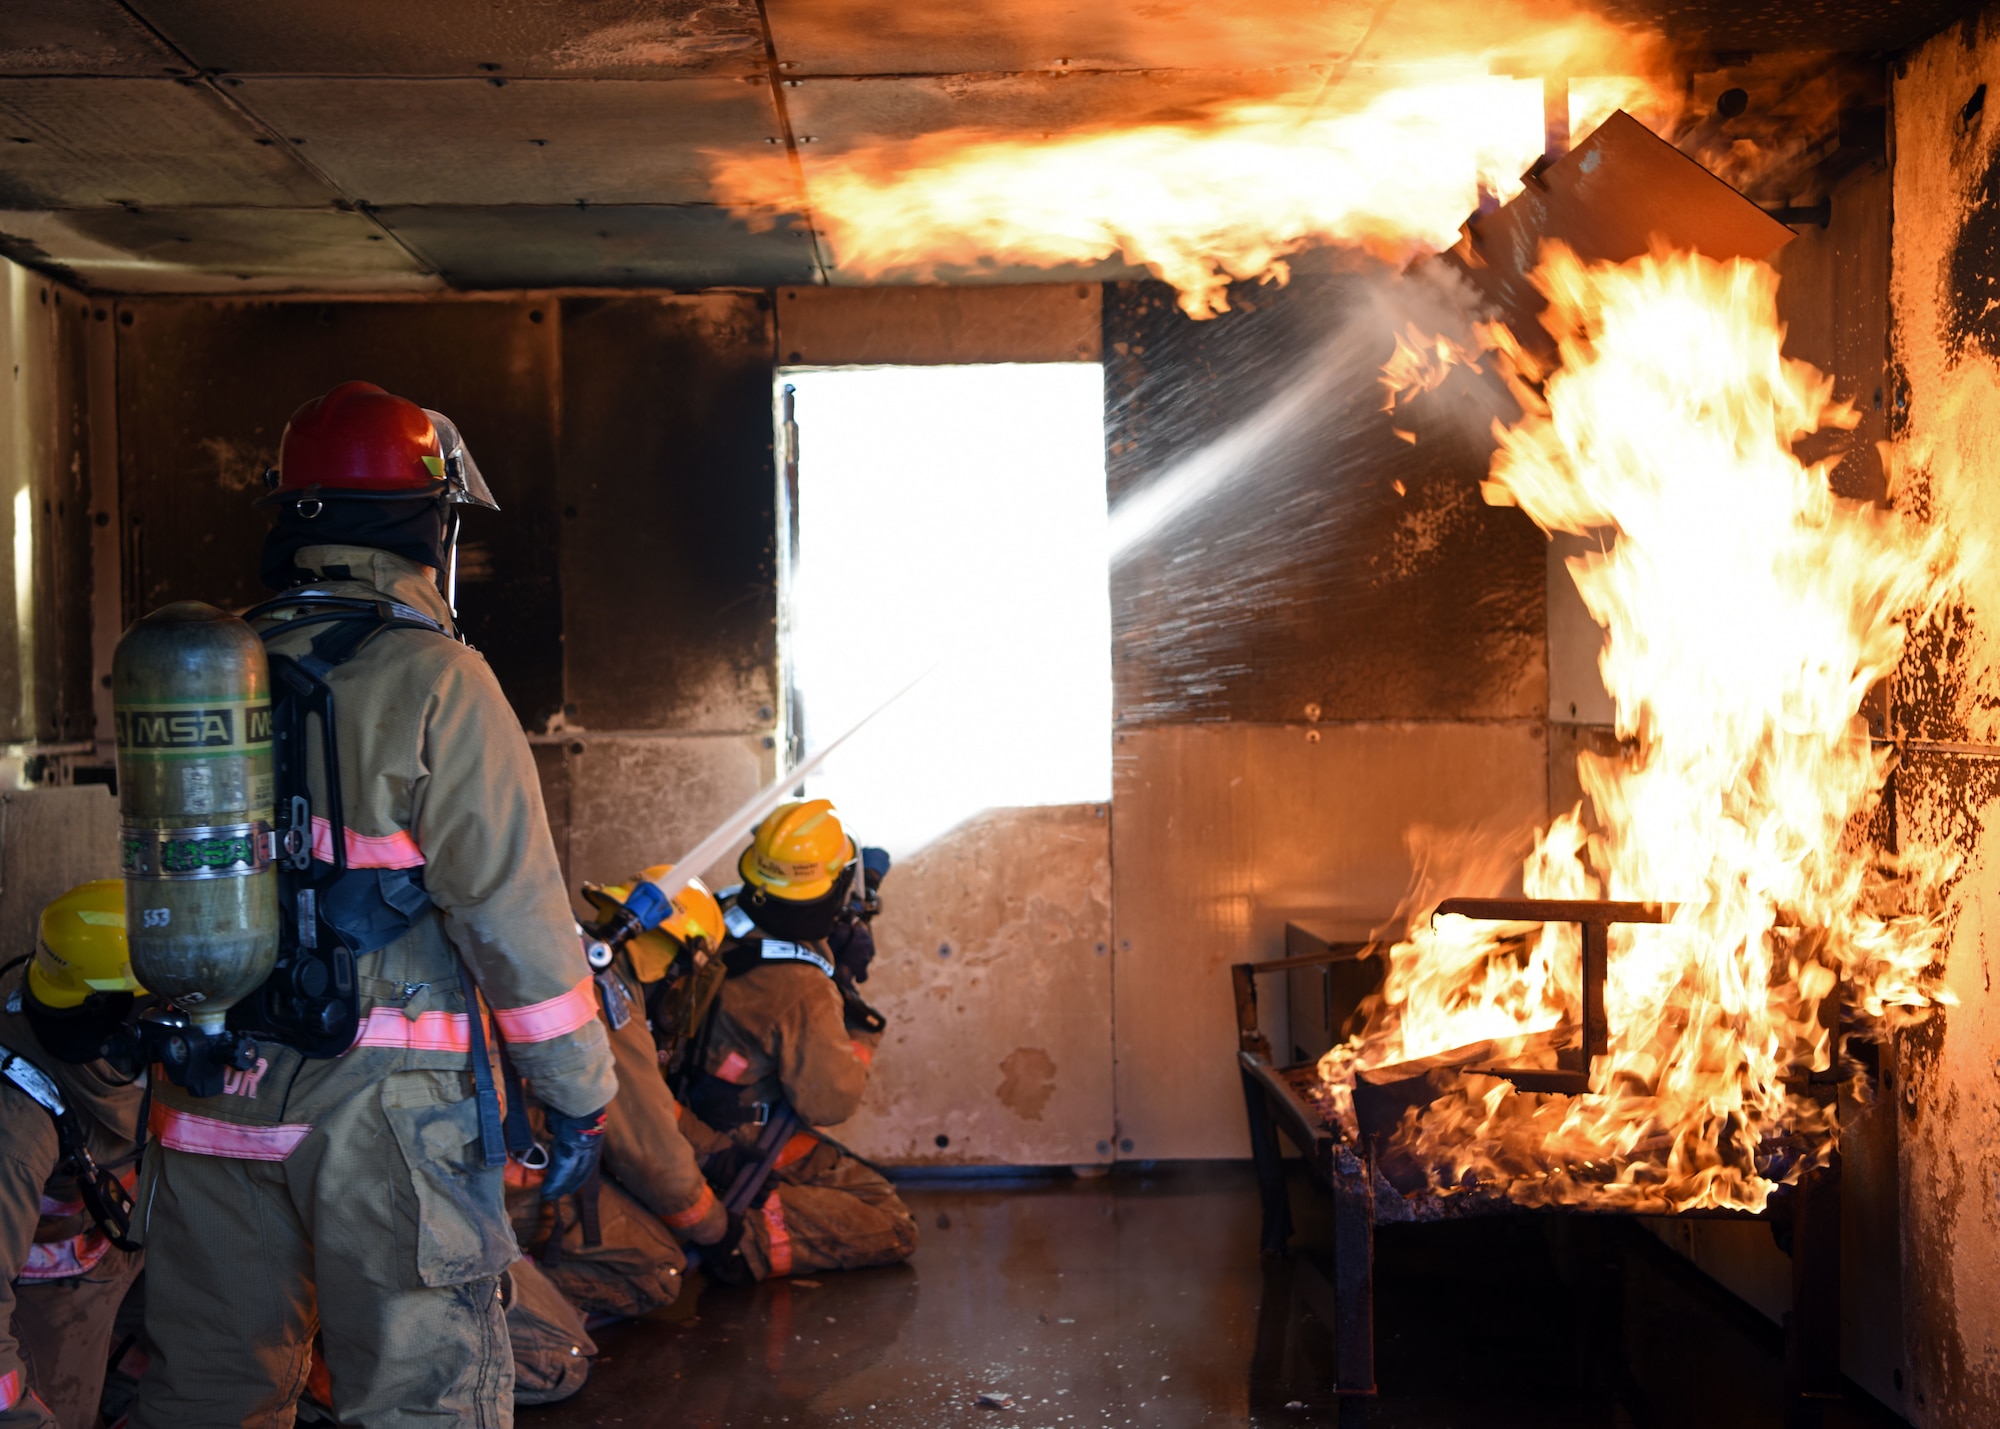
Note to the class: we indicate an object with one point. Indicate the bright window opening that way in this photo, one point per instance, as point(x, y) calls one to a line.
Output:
point(952, 517)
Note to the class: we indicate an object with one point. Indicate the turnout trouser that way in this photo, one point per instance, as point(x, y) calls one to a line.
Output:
point(64, 1330)
point(380, 1230)
point(634, 1268)
point(552, 1350)
point(827, 1211)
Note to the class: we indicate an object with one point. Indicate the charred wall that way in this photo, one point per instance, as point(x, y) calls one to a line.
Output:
point(1944, 402)
point(204, 391)
point(1335, 565)
point(669, 514)
point(1833, 297)
point(666, 547)
point(1339, 646)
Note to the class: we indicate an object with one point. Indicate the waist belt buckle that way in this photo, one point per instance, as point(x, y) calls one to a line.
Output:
point(763, 1110)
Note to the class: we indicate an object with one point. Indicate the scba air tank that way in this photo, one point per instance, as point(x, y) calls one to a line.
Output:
point(191, 697)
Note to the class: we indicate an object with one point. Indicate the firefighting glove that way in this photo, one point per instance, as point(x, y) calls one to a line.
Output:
point(724, 1261)
point(874, 868)
point(852, 944)
point(575, 1144)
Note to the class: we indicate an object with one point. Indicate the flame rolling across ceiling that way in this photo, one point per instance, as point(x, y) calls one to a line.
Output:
point(1385, 150)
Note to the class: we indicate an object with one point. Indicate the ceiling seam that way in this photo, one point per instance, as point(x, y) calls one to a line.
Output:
point(200, 75)
point(791, 142)
point(375, 209)
point(1068, 72)
point(1139, 71)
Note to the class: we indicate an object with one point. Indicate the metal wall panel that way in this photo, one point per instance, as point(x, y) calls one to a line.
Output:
point(643, 245)
point(80, 37)
point(552, 768)
point(928, 325)
point(1223, 833)
point(101, 143)
point(1576, 642)
point(669, 510)
point(64, 556)
point(107, 536)
point(205, 389)
point(542, 141)
point(842, 114)
point(1834, 300)
point(582, 39)
point(50, 841)
point(45, 491)
point(636, 802)
point(878, 37)
point(1948, 1136)
point(993, 967)
point(217, 250)
point(1306, 577)
point(1944, 403)
point(1301, 39)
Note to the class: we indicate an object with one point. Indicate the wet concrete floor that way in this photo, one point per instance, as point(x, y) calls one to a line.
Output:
point(1139, 1299)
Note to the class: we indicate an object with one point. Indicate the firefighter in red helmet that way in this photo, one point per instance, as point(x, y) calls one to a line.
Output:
point(355, 1191)
point(392, 474)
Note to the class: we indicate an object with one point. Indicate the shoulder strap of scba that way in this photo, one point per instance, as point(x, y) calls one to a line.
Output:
point(748, 953)
point(103, 1195)
point(754, 953)
point(311, 1001)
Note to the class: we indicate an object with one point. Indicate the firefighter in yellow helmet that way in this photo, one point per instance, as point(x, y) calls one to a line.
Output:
point(647, 996)
point(785, 1050)
point(69, 1130)
point(621, 1253)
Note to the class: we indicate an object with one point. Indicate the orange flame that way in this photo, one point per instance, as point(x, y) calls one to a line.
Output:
point(1421, 364)
point(1387, 155)
point(1747, 611)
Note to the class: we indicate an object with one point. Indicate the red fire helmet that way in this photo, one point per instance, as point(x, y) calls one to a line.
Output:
point(360, 441)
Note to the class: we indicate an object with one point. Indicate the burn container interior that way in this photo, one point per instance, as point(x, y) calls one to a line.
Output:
point(211, 213)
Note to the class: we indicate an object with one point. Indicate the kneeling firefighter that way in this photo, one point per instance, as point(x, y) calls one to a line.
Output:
point(786, 1048)
point(644, 1150)
point(621, 1254)
point(69, 1151)
point(328, 1153)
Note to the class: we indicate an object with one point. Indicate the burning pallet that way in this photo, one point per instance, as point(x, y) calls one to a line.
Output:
point(1345, 1148)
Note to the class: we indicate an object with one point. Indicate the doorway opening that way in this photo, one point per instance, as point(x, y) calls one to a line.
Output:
point(950, 520)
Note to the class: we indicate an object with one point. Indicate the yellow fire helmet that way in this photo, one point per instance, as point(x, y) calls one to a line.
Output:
point(797, 852)
point(81, 949)
point(697, 918)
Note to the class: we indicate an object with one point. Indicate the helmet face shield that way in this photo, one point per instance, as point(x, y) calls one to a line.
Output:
point(464, 485)
point(799, 920)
